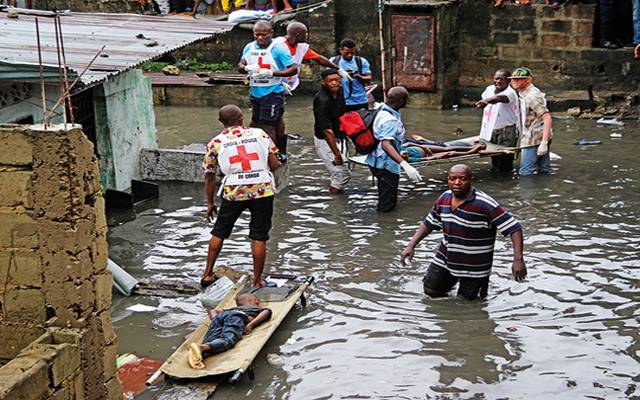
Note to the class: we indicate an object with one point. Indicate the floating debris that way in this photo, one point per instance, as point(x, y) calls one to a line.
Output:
point(610, 121)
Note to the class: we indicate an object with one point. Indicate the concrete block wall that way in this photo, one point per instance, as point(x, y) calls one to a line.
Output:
point(53, 254)
point(102, 6)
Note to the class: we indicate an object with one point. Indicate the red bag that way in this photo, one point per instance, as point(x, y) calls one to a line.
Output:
point(358, 126)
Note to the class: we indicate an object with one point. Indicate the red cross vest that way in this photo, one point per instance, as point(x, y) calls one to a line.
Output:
point(243, 159)
point(298, 57)
point(264, 59)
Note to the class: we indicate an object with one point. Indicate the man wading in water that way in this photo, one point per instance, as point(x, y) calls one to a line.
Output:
point(469, 220)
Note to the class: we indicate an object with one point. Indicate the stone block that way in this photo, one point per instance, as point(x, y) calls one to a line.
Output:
point(486, 52)
point(581, 11)
point(15, 189)
point(515, 52)
point(513, 25)
point(557, 26)
point(18, 230)
point(103, 285)
point(21, 269)
point(113, 389)
point(24, 305)
point(109, 355)
point(555, 40)
point(20, 144)
point(65, 364)
point(16, 336)
point(24, 378)
point(583, 27)
point(106, 326)
point(506, 38)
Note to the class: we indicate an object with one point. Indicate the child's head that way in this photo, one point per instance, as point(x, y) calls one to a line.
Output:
point(247, 299)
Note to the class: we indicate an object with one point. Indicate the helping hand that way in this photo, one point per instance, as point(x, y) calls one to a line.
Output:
point(251, 69)
point(211, 209)
point(481, 103)
point(262, 73)
point(543, 148)
point(411, 172)
point(344, 74)
point(337, 160)
point(518, 270)
point(287, 89)
point(406, 255)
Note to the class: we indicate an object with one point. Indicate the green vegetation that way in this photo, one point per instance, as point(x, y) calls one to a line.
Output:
point(190, 64)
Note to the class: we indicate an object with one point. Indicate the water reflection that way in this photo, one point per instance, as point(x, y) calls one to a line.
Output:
point(570, 331)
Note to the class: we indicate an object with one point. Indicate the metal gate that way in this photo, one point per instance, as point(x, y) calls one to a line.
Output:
point(414, 45)
point(84, 114)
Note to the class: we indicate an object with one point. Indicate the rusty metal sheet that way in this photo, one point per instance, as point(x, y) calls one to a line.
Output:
point(86, 33)
point(414, 45)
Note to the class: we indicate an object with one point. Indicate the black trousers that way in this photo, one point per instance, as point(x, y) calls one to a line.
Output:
point(387, 188)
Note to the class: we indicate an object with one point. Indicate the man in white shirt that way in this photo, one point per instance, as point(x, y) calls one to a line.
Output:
point(500, 118)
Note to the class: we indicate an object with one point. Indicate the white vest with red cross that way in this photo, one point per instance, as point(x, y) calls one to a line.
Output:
point(243, 159)
point(298, 57)
point(264, 59)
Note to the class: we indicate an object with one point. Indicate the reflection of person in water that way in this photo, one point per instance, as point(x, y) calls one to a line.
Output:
point(491, 357)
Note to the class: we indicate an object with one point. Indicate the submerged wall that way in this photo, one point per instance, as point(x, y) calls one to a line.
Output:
point(125, 124)
point(53, 265)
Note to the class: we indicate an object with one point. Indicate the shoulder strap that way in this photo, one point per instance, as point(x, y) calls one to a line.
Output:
point(336, 60)
point(359, 64)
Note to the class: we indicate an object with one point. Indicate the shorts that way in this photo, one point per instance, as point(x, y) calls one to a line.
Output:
point(440, 281)
point(268, 109)
point(261, 211)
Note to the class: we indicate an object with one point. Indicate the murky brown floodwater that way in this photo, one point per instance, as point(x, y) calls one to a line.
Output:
point(570, 331)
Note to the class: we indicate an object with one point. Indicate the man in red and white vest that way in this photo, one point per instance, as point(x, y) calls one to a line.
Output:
point(246, 157)
point(296, 42)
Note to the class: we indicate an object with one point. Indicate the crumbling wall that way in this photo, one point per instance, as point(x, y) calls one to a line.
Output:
point(53, 262)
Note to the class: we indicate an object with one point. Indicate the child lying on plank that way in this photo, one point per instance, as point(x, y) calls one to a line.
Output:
point(227, 327)
point(413, 151)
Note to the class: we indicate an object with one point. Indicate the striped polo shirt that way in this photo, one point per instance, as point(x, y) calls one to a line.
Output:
point(469, 232)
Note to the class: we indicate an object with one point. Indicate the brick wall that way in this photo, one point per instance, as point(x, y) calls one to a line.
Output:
point(103, 6)
point(53, 254)
point(556, 45)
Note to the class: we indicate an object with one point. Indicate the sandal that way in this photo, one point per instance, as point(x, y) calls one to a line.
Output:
point(204, 283)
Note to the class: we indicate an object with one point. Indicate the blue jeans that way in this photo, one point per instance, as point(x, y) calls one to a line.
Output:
point(636, 21)
point(224, 332)
point(530, 162)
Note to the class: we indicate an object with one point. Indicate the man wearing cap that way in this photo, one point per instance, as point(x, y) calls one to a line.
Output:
point(500, 118)
point(536, 124)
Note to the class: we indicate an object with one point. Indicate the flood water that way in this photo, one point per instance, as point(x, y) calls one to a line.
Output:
point(570, 331)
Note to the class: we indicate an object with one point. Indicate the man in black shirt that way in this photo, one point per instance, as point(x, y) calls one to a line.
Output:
point(329, 141)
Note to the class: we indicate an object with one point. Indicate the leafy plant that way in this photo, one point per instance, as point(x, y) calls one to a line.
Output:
point(190, 64)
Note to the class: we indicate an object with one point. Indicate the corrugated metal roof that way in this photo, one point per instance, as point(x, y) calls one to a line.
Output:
point(86, 33)
point(419, 3)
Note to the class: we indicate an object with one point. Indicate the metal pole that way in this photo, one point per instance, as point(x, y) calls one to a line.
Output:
point(60, 75)
point(383, 58)
point(42, 89)
point(66, 79)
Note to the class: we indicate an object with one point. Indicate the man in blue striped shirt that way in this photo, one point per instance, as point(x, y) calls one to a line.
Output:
point(469, 220)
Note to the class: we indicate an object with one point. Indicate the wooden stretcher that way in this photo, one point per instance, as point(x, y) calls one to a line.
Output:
point(491, 147)
point(239, 358)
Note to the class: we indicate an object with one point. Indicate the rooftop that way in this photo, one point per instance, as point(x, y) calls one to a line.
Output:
point(123, 35)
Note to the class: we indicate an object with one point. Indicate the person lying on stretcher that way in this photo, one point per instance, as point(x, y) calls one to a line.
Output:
point(227, 327)
point(421, 149)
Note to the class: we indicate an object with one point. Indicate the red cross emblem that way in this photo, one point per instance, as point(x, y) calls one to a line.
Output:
point(266, 66)
point(244, 158)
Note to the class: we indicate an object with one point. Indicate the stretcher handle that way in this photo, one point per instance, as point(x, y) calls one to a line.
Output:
point(237, 375)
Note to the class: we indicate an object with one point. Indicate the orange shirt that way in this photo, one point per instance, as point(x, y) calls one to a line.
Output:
point(309, 55)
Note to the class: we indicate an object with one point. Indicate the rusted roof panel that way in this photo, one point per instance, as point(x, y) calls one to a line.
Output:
point(86, 33)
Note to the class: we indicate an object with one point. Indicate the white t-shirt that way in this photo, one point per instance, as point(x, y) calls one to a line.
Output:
point(498, 115)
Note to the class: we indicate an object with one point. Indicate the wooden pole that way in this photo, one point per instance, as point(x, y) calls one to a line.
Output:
point(383, 57)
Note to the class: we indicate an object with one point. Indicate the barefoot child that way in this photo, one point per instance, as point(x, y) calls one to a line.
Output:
point(227, 327)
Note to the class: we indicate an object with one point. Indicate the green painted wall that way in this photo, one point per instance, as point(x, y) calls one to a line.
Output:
point(125, 124)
